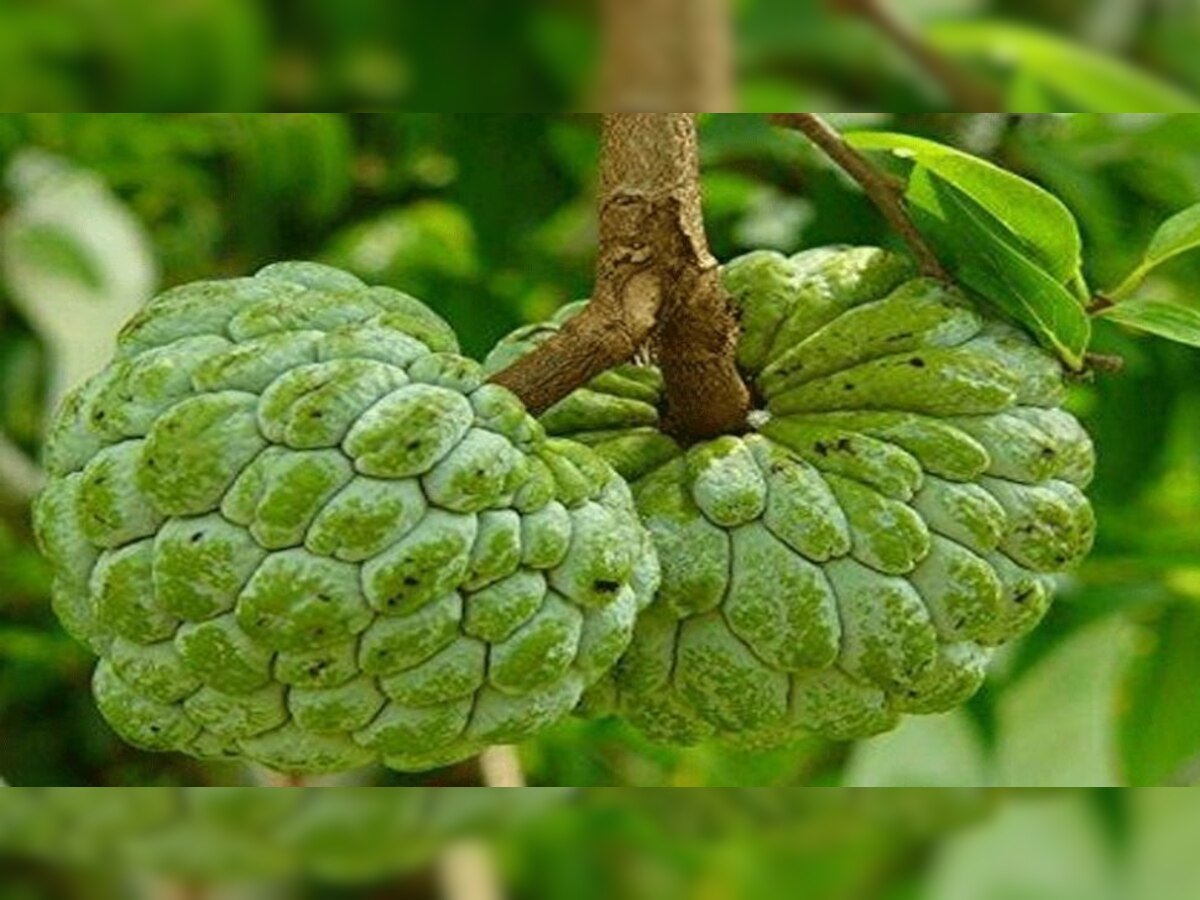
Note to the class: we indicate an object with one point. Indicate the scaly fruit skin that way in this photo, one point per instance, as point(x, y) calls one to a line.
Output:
point(894, 512)
point(338, 835)
point(297, 527)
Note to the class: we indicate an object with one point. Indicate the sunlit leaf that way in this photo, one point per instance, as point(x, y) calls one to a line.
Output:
point(1047, 846)
point(1056, 725)
point(76, 262)
point(1177, 235)
point(925, 751)
point(982, 256)
point(1038, 220)
point(1169, 320)
point(1084, 79)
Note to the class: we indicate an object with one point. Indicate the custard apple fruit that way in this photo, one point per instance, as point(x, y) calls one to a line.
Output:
point(893, 511)
point(297, 527)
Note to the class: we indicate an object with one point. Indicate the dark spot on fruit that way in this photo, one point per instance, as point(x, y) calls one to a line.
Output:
point(1047, 452)
point(902, 336)
point(917, 363)
point(821, 448)
point(411, 580)
point(318, 632)
point(604, 586)
point(317, 668)
point(317, 414)
point(197, 537)
point(844, 445)
point(324, 598)
point(1023, 596)
point(847, 386)
point(261, 622)
point(413, 445)
point(99, 416)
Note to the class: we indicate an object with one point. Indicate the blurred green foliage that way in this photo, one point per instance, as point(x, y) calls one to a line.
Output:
point(489, 219)
point(597, 844)
point(540, 55)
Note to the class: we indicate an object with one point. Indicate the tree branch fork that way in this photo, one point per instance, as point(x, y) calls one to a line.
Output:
point(657, 286)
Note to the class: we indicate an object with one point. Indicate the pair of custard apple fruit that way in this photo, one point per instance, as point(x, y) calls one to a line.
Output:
point(297, 527)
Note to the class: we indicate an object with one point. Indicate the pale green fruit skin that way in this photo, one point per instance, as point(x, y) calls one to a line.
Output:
point(336, 835)
point(298, 528)
point(898, 509)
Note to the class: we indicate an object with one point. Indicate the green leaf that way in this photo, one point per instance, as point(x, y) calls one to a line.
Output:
point(1160, 721)
point(925, 751)
point(981, 254)
point(1159, 317)
point(1036, 846)
point(1056, 726)
point(1086, 81)
point(1039, 221)
point(1177, 235)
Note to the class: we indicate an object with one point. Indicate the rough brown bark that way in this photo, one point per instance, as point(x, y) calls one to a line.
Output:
point(656, 281)
point(666, 56)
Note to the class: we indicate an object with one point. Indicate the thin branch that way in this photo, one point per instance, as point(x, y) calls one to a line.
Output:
point(500, 766)
point(656, 281)
point(883, 190)
point(273, 779)
point(466, 870)
point(966, 92)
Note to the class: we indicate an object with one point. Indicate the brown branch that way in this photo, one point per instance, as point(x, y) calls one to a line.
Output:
point(655, 281)
point(883, 190)
point(966, 92)
point(666, 55)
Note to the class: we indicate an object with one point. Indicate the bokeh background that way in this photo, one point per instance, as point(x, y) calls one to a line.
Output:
point(540, 55)
point(489, 219)
point(720, 844)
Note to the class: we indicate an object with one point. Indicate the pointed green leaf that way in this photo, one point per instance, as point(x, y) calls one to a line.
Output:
point(1177, 235)
point(1086, 81)
point(980, 253)
point(1168, 320)
point(1038, 220)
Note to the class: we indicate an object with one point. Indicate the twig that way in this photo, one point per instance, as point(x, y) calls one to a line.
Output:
point(273, 779)
point(500, 766)
point(466, 870)
point(655, 280)
point(883, 190)
point(965, 92)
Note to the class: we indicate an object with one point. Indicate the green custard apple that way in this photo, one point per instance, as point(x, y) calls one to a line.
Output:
point(894, 510)
point(297, 527)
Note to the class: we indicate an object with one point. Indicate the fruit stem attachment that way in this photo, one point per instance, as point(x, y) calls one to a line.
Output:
point(965, 92)
point(500, 766)
point(273, 779)
point(656, 283)
point(886, 192)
